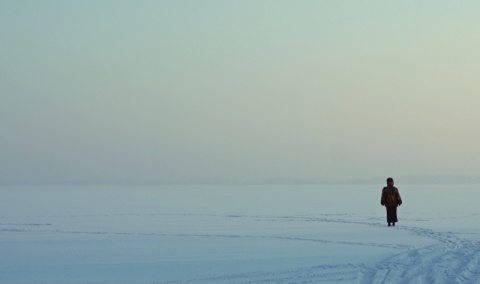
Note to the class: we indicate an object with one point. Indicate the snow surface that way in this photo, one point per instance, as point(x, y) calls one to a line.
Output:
point(238, 234)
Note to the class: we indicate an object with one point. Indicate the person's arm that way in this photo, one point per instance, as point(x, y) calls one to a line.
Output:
point(382, 200)
point(399, 198)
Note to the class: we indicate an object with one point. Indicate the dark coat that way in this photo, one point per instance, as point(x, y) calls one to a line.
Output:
point(390, 197)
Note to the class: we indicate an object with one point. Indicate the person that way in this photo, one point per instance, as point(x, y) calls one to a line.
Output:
point(391, 200)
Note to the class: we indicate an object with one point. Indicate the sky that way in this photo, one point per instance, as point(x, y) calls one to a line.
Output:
point(242, 90)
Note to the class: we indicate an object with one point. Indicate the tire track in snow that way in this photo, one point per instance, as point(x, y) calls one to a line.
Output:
point(324, 273)
point(236, 236)
point(452, 260)
point(259, 218)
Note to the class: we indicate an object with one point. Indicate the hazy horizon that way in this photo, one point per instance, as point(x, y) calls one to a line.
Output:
point(401, 181)
point(238, 90)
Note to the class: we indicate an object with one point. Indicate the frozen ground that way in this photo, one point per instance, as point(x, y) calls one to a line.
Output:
point(237, 234)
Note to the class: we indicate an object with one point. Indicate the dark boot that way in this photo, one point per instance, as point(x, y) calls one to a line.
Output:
point(393, 223)
point(389, 224)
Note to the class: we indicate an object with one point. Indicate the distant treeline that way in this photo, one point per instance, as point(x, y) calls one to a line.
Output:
point(410, 179)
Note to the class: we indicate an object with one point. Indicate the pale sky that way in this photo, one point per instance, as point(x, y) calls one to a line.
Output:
point(106, 90)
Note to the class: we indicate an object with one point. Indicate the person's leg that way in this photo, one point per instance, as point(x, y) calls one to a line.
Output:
point(391, 214)
point(394, 215)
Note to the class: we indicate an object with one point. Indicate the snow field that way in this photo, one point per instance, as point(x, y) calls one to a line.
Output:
point(252, 234)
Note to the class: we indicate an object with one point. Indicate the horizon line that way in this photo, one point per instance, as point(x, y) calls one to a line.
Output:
point(404, 179)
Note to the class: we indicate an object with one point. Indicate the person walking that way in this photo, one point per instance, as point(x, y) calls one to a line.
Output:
point(391, 200)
